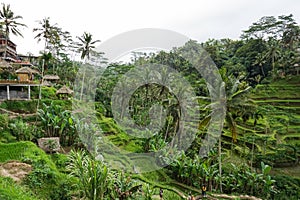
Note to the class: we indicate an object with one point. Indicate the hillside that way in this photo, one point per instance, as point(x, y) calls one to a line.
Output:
point(275, 138)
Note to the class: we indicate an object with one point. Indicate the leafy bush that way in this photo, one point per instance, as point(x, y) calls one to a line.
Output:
point(60, 160)
point(48, 93)
point(21, 130)
point(48, 183)
point(20, 106)
point(93, 175)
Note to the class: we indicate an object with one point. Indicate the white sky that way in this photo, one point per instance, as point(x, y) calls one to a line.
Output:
point(197, 19)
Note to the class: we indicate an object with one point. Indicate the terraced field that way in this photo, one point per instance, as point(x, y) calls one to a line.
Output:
point(277, 134)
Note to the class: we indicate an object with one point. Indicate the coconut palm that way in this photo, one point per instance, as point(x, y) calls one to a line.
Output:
point(46, 32)
point(238, 105)
point(260, 61)
point(86, 45)
point(9, 23)
point(273, 53)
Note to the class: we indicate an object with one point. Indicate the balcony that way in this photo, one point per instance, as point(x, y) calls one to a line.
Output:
point(10, 49)
point(19, 83)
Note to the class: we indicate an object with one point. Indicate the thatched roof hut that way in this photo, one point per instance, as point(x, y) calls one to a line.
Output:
point(26, 70)
point(51, 77)
point(5, 65)
point(47, 83)
point(64, 90)
point(26, 73)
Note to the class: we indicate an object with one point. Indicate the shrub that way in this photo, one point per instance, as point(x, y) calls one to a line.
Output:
point(9, 190)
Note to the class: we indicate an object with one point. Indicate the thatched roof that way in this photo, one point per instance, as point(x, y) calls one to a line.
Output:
point(64, 90)
point(27, 70)
point(51, 77)
point(47, 83)
point(35, 71)
point(5, 65)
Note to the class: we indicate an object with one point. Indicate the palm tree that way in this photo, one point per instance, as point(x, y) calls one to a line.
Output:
point(237, 105)
point(273, 53)
point(46, 32)
point(86, 45)
point(9, 21)
point(260, 61)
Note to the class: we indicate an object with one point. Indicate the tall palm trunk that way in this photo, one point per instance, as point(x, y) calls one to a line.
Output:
point(82, 83)
point(83, 79)
point(6, 41)
point(262, 70)
point(273, 66)
point(220, 163)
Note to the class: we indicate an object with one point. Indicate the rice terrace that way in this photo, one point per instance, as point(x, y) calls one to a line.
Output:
point(206, 119)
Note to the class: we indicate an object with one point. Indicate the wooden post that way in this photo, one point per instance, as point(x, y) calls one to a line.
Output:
point(8, 96)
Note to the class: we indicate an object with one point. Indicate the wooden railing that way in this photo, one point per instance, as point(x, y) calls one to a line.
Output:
point(2, 81)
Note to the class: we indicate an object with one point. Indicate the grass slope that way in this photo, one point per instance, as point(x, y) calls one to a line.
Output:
point(45, 181)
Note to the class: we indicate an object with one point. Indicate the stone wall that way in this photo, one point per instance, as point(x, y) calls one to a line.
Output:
point(49, 144)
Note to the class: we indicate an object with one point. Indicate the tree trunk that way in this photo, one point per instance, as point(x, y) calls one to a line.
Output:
point(262, 71)
point(81, 92)
point(5, 48)
point(252, 150)
point(220, 163)
point(6, 40)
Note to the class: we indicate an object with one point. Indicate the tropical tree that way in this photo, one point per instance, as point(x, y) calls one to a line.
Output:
point(290, 31)
point(266, 27)
point(238, 106)
point(9, 23)
point(86, 45)
point(260, 61)
point(46, 32)
point(57, 122)
point(273, 53)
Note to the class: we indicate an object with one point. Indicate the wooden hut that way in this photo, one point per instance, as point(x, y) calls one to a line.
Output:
point(64, 92)
point(47, 83)
point(26, 74)
point(51, 78)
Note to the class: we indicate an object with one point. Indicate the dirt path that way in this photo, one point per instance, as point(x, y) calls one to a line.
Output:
point(15, 170)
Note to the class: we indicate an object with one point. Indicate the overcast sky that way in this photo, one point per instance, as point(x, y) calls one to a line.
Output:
point(197, 19)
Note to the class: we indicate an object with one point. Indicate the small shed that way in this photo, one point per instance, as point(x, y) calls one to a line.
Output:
point(64, 92)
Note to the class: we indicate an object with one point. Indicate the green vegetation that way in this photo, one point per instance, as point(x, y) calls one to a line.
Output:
point(11, 191)
point(257, 153)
